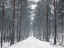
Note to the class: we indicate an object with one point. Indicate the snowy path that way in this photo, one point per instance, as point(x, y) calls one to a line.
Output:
point(32, 42)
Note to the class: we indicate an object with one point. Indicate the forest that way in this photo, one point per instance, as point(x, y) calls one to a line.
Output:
point(20, 19)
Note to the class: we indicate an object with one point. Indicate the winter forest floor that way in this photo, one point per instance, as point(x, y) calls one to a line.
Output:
point(31, 42)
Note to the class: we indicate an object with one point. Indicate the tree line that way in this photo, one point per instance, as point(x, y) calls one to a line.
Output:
point(15, 20)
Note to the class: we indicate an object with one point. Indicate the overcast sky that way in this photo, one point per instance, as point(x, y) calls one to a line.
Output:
point(34, 0)
point(32, 6)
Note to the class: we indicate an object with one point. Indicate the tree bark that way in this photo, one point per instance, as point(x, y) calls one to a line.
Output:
point(55, 22)
point(20, 28)
point(13, 30)
point(2, 22)
point(47, 22)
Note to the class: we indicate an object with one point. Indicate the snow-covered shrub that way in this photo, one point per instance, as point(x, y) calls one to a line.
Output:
point(60, 43)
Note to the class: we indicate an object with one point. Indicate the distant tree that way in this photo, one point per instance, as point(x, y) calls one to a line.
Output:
point(47, 22)
point(20, 28)
point(60, 9)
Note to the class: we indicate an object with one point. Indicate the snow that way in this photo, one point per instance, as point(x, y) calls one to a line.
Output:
point(5, 45)
point(32, 42)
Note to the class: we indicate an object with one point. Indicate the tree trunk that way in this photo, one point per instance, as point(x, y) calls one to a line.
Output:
point(49, 27)
point(2, 22)
point(43, 31)
point(13, 30)
point(47, 23)
point(55, 22)
point(20, 25)
point(17, 33)
point(62, 26)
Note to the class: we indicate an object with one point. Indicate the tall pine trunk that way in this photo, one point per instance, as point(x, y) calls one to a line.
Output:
point(20, 25)
point(47, 23)
point(55, 22)
point(2, 22)
point(62, 26)
point(13, 30)
point(43, 31)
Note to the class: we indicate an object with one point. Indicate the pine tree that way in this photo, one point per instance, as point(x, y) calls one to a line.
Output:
point(55, 32)
point(2, 22)
point(13, 29)
point(47, 22)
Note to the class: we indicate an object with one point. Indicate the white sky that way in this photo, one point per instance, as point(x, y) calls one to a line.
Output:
point(52, 11)
point(32, 6)
point(34, 0)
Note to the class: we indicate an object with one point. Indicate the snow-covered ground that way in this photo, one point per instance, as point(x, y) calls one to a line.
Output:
point(32, 42)
point(5, 45)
